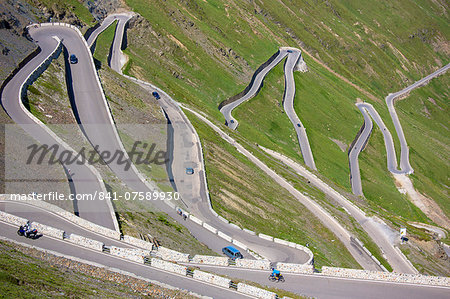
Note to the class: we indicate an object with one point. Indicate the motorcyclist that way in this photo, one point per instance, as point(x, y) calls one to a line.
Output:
point(276, 273)
point(27, 228)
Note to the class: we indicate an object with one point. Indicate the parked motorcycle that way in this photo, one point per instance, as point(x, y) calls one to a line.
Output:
point(32, 234)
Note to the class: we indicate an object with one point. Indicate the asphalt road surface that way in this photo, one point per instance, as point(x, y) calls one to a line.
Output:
point(84, 179)
point(187, 152)
point(309, 285)
point(330, 222)
point(381, 234)
point(369, 112)
point(294, 58)
point(70, 249)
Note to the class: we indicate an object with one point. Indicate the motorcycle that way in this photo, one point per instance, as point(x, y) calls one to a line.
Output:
point(32, 234)
point(280, 278)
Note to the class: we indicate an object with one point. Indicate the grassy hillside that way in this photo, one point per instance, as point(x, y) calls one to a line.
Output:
point(245, 195)
point(29, 273)
point(205, 51)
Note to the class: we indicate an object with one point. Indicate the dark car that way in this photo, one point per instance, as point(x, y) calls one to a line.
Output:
point(232, 253)
point(189, 170)
point(156, 95)
point(73, 59)
point(299, 125)
point(289, 51)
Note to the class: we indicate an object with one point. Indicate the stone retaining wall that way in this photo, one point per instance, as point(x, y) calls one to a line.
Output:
point(253, 264)
point(296, 268)
point(12, 219)
point(211, 260)
point(48, 230)
point(386, 276)
point(168, 266)
point(211, 278)
point(75, 219)
point(255, 292)
point(172, 255)
point(86, 242)
point(133, 254)
point(138, 242)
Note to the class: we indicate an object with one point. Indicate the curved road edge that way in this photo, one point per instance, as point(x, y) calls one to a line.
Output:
point(42, 133)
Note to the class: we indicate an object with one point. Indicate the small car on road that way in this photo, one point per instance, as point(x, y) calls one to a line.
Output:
point(232, 253)
point(156, 95)
point(189, 170)
point(73, 59)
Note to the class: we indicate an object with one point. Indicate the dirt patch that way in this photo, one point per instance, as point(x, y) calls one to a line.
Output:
point(426, 205)
point(339, 143)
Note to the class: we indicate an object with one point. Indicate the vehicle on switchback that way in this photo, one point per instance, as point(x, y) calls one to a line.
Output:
point(73, 59)
point(29, 233)
point(232, 253)
point(156, 95)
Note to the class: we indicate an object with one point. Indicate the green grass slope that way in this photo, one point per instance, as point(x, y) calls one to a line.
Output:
point(203, 52)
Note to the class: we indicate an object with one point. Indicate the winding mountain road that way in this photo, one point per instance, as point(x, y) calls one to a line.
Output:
point(369, 113)
point(317, 286)
point(85, 178)
point(380, 233)
point(193, 189)
point(293, 62)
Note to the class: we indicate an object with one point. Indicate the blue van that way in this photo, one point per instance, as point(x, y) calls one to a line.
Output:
point(232, 253)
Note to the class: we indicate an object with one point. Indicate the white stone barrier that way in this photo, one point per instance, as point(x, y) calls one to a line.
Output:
point(48, 230)
point(234, 226)
point(386, 276)
point(249, 231)
point(86, 242)
point(265, 237)
point(210, 228)
point(292, 244)
point(280, 241)
point(133, 254)
point(240, 244)
point(211, 278)
point(172, 255)
point(16, 220)
point(253, 264)
point(210, 260)
point(296, 268)
point(138, 242)
point(224, 236)
point(195, 219)
point(168, 266)
point(223, 219)
point(255, 292)
point(308, 251)
point(75, 219)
